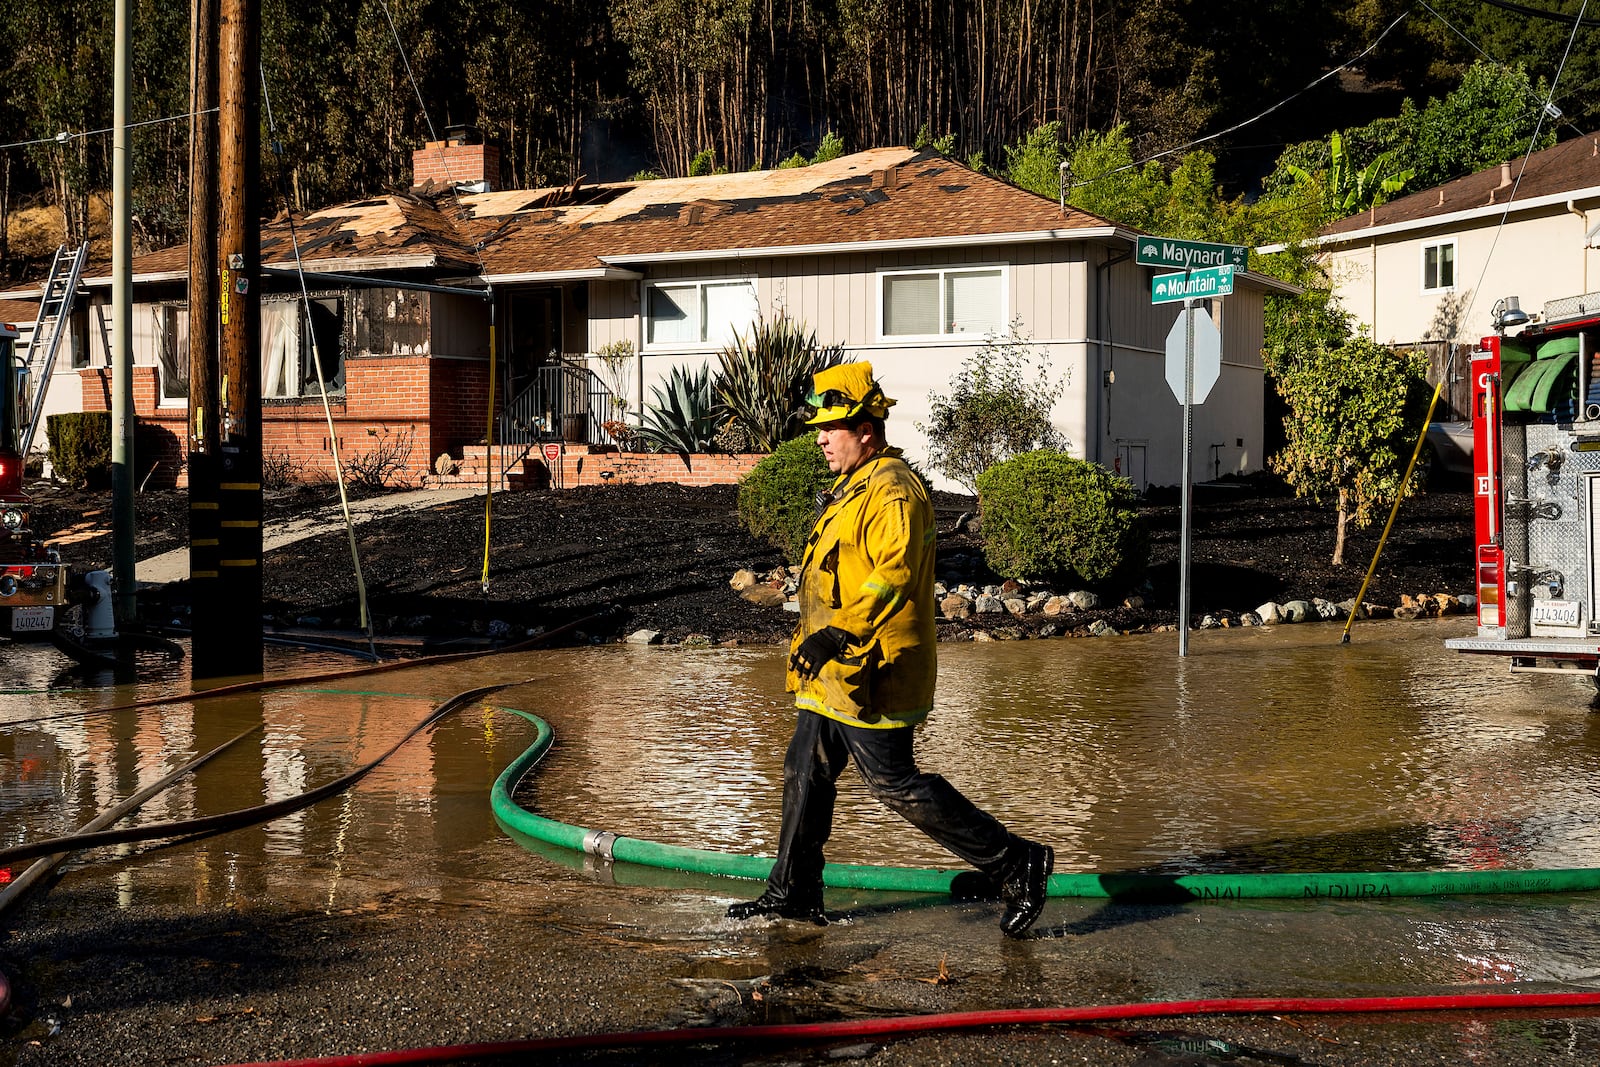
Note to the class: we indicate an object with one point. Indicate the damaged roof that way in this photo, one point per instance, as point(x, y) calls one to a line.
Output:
point(893, 196)
point(887, 197)
point(383, 233)
point(1562, 171)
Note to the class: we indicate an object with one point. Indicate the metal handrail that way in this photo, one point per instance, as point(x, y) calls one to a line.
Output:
point(566, 401)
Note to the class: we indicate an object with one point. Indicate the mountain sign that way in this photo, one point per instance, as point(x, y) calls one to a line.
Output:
point(1194, 285)
point(1186, 255)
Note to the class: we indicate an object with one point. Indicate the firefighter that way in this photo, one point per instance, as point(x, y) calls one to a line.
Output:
point(862, 665)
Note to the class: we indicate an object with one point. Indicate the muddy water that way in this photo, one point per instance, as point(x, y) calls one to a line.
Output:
point(1264, 750)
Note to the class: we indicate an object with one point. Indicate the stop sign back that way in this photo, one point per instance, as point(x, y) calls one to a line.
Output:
point(1207, 355)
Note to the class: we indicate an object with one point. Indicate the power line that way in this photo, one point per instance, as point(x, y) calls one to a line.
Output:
point(1546, 104)
point(1257, 118)
point(66, 136)
point(1541, 13)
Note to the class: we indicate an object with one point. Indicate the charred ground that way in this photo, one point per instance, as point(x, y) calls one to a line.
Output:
point(659, 557)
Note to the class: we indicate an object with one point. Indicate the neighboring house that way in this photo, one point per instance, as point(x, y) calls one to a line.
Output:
point(907, 258)
point(1430, 266)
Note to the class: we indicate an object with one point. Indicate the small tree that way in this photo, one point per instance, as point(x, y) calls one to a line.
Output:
point(993, 411)
point(1354, 412)
point(615, 359)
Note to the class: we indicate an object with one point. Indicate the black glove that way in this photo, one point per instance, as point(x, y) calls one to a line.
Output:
point(818, 649)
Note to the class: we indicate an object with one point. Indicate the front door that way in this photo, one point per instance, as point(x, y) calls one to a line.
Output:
point(535, 333)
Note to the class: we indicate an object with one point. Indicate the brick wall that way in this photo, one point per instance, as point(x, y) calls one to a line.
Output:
point(435, 405)
point(580, 466)
point(458, 390)
point(390, 402)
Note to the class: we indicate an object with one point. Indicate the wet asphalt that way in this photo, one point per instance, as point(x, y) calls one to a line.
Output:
point(98, 980)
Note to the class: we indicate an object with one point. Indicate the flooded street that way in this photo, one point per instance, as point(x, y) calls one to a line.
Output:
point(1266, 750)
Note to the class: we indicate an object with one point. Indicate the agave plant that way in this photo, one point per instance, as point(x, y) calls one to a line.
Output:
point(763, 380)
point(684, 415)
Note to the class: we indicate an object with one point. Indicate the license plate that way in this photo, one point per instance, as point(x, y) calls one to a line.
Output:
point(1556, 612)
point(32, 620)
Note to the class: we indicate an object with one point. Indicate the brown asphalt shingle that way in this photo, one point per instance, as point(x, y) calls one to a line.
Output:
point(883, 195)
point(1562, 168)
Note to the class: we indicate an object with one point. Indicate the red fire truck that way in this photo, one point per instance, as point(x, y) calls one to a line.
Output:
point(1536, 474)
point(33, 581)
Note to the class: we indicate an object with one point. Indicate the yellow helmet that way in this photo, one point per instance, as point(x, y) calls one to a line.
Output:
point(845, 391)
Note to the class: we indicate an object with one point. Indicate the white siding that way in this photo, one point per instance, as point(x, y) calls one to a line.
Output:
point(1049, 287)
point(1538, 256)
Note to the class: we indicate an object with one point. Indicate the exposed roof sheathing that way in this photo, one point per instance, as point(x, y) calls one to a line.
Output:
point(885, 195)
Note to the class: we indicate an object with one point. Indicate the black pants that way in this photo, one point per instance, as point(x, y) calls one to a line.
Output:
point(817, 755)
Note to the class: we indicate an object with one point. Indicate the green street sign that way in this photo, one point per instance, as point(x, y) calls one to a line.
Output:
point(1195, 285)
point(1186, 255)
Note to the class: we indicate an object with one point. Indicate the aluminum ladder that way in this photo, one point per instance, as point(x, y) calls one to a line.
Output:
point(55, 314)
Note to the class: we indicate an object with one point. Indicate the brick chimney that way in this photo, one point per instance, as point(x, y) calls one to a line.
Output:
point(461, 159)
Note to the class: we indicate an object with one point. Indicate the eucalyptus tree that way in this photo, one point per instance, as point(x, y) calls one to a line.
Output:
point(61, 53)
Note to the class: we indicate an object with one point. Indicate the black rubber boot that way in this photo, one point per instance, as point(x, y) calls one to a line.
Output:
point(772, 906)
point(1026, 883)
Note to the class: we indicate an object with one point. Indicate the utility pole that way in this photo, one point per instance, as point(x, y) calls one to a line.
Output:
point(125, 602)
point(208, 621)
point(238, 302)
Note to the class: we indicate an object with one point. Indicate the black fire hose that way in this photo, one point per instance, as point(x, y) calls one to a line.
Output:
point(19, 885)
point(236, 820)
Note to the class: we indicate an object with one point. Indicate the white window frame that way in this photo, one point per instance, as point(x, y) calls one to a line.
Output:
point(944, 274)
point(699, 285)
point(176, 313)
point(1455, 256)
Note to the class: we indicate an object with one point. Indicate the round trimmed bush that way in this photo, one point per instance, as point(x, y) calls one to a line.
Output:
point(777, 499)
point(1050, 516)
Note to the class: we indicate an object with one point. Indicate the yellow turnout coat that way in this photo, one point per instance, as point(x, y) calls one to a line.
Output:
point(868, 569)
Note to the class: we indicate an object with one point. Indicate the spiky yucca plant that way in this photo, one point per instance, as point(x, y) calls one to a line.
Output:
point(764, 379)
point(684, 415)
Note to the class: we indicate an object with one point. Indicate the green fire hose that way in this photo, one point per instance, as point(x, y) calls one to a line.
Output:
point(1130, 887)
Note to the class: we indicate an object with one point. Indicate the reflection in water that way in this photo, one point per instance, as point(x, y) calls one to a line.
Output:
point(1264, 750)
point(1277, 750)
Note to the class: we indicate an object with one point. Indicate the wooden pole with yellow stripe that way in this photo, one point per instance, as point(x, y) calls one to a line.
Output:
point(234, 647)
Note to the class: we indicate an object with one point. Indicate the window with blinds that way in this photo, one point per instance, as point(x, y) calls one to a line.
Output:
point(941, 303)
point(699, 313)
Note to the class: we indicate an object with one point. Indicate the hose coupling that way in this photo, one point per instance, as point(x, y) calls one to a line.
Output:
point(599, 843)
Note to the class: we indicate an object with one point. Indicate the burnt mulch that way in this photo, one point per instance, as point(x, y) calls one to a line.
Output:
point(629, 557)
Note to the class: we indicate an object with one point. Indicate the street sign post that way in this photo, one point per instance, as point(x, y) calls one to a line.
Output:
point(1194, 362)
point(1193, 285)
point(1194, 352)
point(1187, 255)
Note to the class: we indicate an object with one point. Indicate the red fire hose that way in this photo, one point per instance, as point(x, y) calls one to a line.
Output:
point(966, 1020)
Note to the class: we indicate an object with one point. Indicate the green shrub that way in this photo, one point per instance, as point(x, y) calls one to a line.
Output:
point(1048, 515)
point(777, 499)
point(80, 447)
